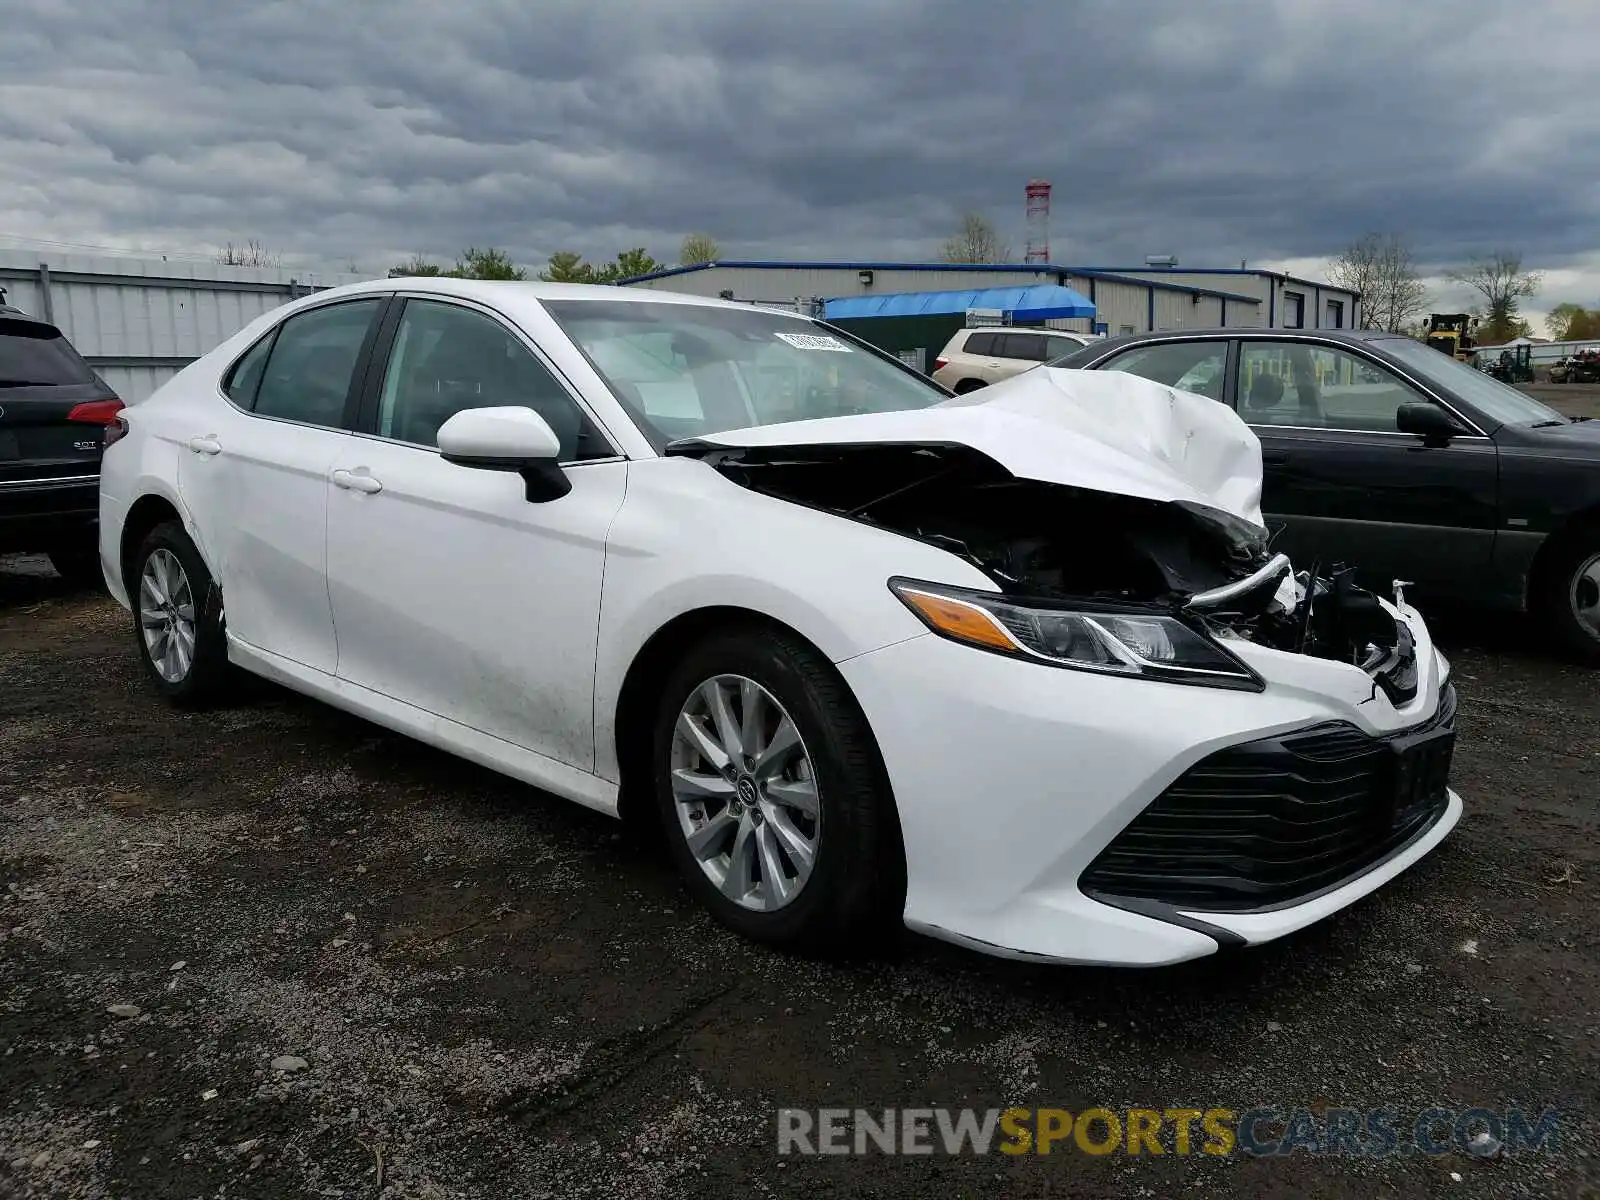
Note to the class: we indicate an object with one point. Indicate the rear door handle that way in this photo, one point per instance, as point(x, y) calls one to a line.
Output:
point(351, 482)
point(205, 445)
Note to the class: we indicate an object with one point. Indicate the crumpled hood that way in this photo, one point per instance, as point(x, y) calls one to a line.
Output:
point(1106, 431)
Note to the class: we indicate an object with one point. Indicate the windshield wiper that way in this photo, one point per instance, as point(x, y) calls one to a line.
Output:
point(1550, 422)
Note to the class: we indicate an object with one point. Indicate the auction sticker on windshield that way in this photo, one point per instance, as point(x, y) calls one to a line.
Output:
point(814, 341)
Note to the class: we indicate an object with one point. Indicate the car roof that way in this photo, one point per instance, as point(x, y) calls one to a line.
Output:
point(10, 312)
point(1354, 337)
point(499, 291)
point(1067, 333)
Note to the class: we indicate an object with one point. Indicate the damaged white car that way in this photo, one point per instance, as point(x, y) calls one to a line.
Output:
point(1018, 669)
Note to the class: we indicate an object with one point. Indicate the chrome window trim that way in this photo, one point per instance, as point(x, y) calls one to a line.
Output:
point(1296, 337)
point(613, 457)
point(58, 480)
point(410, 294)
point(1458, 437)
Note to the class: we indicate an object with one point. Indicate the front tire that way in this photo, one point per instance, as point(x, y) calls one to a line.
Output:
point(177, 622)
point(1570, 599)
point(773, 796)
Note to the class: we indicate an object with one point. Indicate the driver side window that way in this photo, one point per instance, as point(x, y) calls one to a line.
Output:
point(1312, 386)
point(447, 358)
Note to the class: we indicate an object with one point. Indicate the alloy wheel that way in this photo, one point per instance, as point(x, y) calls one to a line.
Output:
point(745, 792)
point(1584, 595)
point(166, 615)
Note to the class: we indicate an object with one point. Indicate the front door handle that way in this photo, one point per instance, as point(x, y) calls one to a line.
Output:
point(1274, 456)
point(207, 445)
point(351, 482)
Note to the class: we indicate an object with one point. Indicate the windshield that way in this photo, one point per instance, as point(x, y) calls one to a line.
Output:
point(1487, 394)
point(685, 370)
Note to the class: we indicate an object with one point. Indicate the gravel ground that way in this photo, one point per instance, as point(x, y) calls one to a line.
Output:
point(356, 967)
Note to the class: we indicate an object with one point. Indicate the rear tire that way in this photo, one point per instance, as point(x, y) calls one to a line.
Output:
point(969, 385)
point(851, 893)
point(1568, 595)
point(177, 619)
point(78, 565)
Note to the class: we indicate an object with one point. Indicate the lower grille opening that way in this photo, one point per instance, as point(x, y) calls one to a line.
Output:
point(1281, 818)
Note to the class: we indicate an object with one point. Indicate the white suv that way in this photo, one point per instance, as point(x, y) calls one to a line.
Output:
point(975, 358)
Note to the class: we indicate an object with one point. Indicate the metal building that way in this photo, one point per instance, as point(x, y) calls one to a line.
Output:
point(1291, 301)
point(1126, 301)
point(140, 321)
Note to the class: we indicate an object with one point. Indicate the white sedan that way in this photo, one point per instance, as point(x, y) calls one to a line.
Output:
point(1016, 669)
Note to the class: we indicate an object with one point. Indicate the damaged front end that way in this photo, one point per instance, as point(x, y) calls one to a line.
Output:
point(1087, 578)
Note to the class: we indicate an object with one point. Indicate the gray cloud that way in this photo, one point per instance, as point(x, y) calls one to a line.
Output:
point(336, 131)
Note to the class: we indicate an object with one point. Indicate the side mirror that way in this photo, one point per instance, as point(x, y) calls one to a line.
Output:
point(507, 439)
point(1428, 421)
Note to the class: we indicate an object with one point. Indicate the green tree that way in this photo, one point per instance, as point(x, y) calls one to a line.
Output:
point(698, 248)
point(567, 267)
point(488, 263)
point(1503, 284)
point(627, 265)
point(415, 266)
point(1572, 323)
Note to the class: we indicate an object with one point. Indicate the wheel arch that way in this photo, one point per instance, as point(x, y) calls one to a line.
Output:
point(144, 515)
point(641, 688)
point(1583, 523)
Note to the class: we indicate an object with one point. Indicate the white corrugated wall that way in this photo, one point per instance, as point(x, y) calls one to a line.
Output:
point(139, 321)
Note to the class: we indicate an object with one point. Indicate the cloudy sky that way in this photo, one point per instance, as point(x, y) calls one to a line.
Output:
point(362, 131)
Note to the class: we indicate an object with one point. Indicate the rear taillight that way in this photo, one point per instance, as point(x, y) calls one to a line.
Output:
point(96, 412)
point(116, 429)
point(940, 363)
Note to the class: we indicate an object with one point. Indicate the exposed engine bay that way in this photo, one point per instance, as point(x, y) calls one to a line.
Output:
point(1054, 542)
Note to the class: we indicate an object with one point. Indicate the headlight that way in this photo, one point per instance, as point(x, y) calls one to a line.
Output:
point(1109, 641)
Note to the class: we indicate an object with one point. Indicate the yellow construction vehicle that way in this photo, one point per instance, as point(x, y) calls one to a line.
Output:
point(1451, 333)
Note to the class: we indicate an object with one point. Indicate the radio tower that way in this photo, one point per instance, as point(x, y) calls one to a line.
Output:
point(1038, 191)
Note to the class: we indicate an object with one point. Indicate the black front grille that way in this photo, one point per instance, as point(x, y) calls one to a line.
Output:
point(1282, 818)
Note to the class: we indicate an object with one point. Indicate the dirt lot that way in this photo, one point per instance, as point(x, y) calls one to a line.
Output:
point(496, 994)
point(1574, 399)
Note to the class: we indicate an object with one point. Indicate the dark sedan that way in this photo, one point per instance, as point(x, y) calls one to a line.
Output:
point(1385, 454)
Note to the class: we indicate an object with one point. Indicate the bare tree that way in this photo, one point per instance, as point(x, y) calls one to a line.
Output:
point(977, 241)
point(251, 254)
point(698, 248)
point(1380, 267)
point(1503, 283)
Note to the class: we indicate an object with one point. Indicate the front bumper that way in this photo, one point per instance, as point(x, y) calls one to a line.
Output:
point(1012, 779)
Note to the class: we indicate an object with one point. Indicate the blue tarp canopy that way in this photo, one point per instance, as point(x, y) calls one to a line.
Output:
point(1036, 302)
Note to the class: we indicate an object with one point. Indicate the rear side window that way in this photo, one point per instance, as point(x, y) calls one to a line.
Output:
point(1027, 346)
point(34, 353)
point(981, 343)
point(1192, 366)
point(245, 378)
point(311, 365)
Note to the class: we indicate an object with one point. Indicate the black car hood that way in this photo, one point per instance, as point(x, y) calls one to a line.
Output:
point(1576, 437)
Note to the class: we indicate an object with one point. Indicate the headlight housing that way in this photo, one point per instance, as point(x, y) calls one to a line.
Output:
point(1080, 637)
